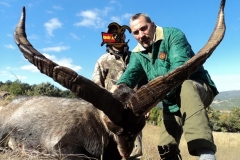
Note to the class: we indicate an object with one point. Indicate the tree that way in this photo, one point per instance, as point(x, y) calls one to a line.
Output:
point(8, 82)
point(231, 121)
point(1, 83)
point(214, 118)
point(67, 94)
point(16, 88)
point(46, 89)
point(155, 116)
point(6, 86)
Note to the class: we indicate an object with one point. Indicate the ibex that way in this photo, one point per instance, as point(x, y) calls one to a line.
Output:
point(72, 128)
point(99, 122)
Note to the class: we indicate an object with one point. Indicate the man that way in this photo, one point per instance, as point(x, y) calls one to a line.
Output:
point(159, 51)
point(111, 65)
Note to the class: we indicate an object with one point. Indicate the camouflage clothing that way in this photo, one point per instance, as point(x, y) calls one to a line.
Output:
point(108, 70)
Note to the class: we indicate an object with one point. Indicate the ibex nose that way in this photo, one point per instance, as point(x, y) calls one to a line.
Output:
point(125, 155)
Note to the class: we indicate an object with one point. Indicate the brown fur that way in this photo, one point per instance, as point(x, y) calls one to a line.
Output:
point(60, 125)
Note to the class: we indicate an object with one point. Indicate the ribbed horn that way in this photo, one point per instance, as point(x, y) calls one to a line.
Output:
point(81, 86)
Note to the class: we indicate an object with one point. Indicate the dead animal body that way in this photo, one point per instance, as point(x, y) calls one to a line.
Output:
point(59, 126)
point(82, 125)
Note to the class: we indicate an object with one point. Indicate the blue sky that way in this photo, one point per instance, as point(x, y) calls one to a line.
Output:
point(69, 33)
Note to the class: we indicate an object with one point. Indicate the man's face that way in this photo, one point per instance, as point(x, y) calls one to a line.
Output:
point(114, 31)
point(143, 31)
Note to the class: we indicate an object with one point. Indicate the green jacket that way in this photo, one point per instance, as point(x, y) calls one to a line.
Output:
point(169, 51)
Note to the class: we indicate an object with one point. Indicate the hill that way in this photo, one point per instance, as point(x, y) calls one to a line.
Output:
point(226, 100)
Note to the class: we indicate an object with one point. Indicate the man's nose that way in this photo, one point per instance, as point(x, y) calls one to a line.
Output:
point(141, 34)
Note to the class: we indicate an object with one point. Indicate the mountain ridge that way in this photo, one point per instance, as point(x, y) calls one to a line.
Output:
point(226, 100)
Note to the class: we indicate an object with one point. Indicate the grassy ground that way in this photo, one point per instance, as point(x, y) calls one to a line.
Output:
point(228, 145)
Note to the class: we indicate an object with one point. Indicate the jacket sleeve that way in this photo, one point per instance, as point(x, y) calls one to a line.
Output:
point(98, 76)
point(133, 73)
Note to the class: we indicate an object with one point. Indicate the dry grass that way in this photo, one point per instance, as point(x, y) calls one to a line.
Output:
point(3, 102)
point(18, 155)
point(228, 145)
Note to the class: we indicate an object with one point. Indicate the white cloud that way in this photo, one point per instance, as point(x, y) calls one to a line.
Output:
point(48, 11)
point(33, 36)
point(55, 49)
point(3, 73)
point(93, 18)
point(51, 25)
point(6, 74)
point(31, 5)
point(10, 46)
point(57, 7)
point(11, 75)
point(227, 82)
point(21, 77)
point(30, 67)
point(127, 16)
point(121, 18)
point(4, 3)
point(74, 36)
point(113, 2)
point(11, 68)
point(90, 19)
point(116, 19)
point(106, 10)
point(66, 62)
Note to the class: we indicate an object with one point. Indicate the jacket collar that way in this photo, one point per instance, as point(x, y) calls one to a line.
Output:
point(158, 36)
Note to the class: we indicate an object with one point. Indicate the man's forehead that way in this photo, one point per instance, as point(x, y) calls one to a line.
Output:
point(138, 23)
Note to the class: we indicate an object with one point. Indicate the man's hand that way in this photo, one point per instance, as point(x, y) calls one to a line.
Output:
point(114, 88)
